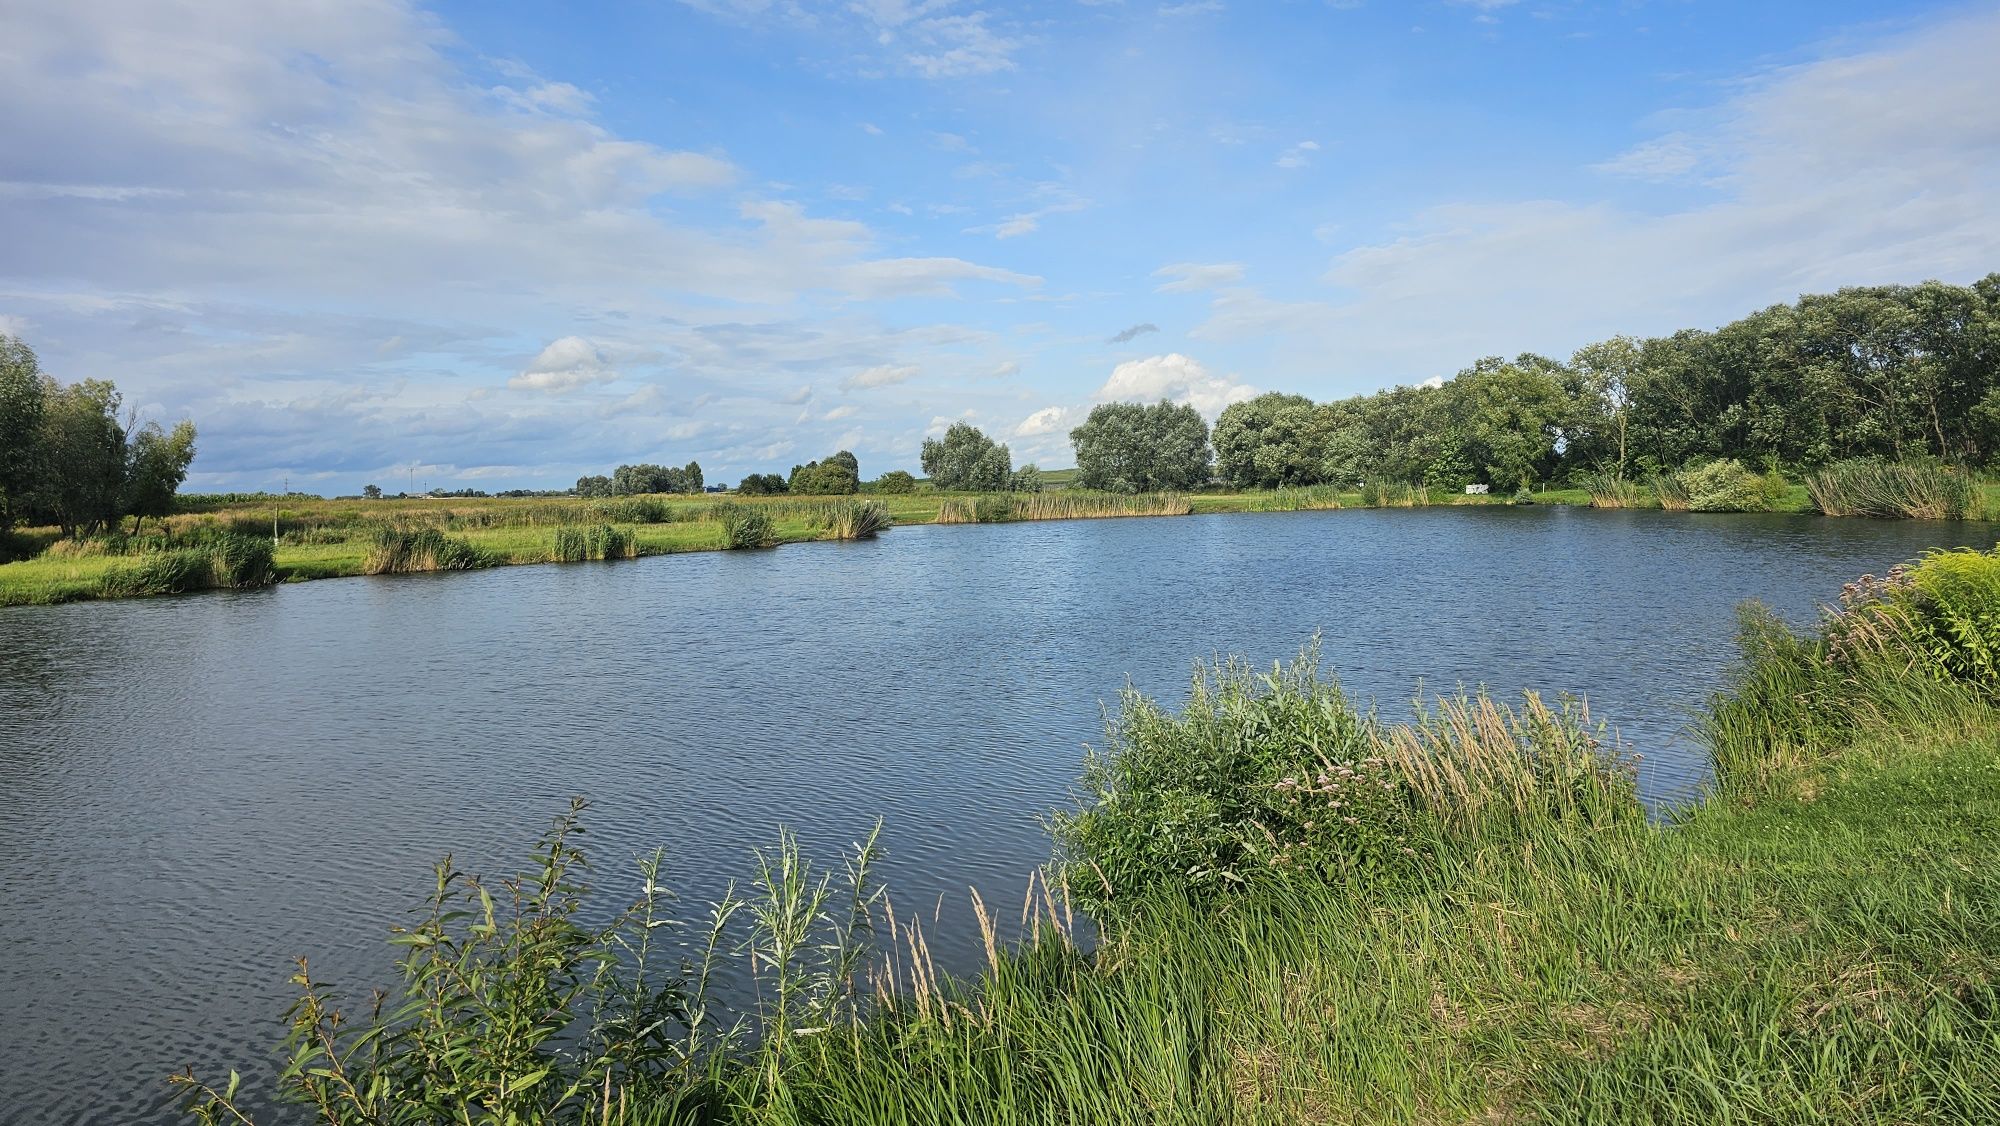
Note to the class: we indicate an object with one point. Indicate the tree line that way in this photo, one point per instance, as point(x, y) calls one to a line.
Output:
point(72, 455)
point(636, 480)
point(1896, 373)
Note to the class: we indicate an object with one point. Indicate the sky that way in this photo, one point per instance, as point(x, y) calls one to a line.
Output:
point(503, 245)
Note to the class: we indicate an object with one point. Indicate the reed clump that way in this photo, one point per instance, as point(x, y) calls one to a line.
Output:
point(745, 526)
point(1609, 490)
point(1309, 498)
point(1394, 494)
point(221, 560)
point(576, 545)
point(398, 551)
point(1892, 490)
point(1067, 504)
point(859, 520)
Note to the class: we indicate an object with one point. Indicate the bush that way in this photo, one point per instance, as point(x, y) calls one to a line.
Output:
point(896, 482)
point(1723, 485)
point(744, 526)
point(1263, 776)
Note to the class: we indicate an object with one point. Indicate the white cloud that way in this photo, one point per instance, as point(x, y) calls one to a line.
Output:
point(1173, 376)
point(564, 365)
point(840, 412)
point(1299, 155)
point(1005, 370)
point(1189, 277)
point(1048, 420)
point(881, 375)
point(803, 394)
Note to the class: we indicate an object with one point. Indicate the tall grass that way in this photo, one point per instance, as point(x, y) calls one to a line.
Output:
point(575, 545)
point(1671, 491)
point(1065, 504)
point(1905, 490)
point(218, 561)
point(1310, 498)
point(1609, 490)
point(1394, 494)
point(403, 551)
point(745, 527)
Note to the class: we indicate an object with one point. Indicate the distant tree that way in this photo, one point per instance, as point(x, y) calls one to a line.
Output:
point(1026, 479)
point(374, 492)
point(598, 486)
point(832, 477)
point(896, 481)
point(156, 463)
point(966, 460)
point(853, 464)
point(23, 401)
point(1127, 448)
point(761, 485)
point(691, 479)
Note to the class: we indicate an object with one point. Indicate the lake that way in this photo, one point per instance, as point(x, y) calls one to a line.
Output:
point(193, 790)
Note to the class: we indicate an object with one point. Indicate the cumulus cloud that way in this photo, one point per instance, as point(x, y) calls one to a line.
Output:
point(1173, 376)
point(1191, 277)
point(564, 365)
point(1048, 420)
point(881, 375)
point(1127, 335)
point(845, 411)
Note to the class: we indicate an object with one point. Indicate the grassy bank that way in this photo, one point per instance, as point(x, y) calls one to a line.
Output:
point(318, 539)
point(1311, 915)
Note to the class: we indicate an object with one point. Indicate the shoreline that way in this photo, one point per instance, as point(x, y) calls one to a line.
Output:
point(327, 539)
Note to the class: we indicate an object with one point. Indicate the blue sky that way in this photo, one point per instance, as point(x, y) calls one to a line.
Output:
point(510, 243)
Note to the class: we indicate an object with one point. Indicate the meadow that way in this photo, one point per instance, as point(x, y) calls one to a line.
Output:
point(1304, 913)
point(209, 538)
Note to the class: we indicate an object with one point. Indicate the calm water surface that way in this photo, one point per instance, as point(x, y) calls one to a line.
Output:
point(194, 790)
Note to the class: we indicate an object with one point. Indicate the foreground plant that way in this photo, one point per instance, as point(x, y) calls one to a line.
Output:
point(513, 1009)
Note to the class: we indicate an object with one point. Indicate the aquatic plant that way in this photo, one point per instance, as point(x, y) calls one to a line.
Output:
point(745, 526)
point(1394, 494)
point(1310, 498)
point(1608, 490)
point(1887, 489)
point(409, 550)
point(219, 560)
point(1722, 485)
point(573, 545)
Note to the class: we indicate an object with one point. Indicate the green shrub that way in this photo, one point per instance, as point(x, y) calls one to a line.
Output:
point(1266, 776)
point(896, 482)
point(1723, 485)
point(745, 526)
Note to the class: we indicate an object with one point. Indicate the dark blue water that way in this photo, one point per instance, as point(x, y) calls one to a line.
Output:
point(194, 790)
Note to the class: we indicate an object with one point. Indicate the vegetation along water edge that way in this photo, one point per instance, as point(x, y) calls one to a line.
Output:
point(1303, 913)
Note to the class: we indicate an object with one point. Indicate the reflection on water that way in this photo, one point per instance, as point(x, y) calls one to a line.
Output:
point(193, 790)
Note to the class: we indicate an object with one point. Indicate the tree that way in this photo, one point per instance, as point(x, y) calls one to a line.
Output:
point(1127, 448)
point(829, 478)
point(157, 462)
point(83, 455)
point(374, 492)
point(598, 486)
point(762, 485)
point(896, 481)
point(966, 460)
point(1261, 443)
point(1605, 373)
point(1027, 479)
point(23, 401)
point(691, 479)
